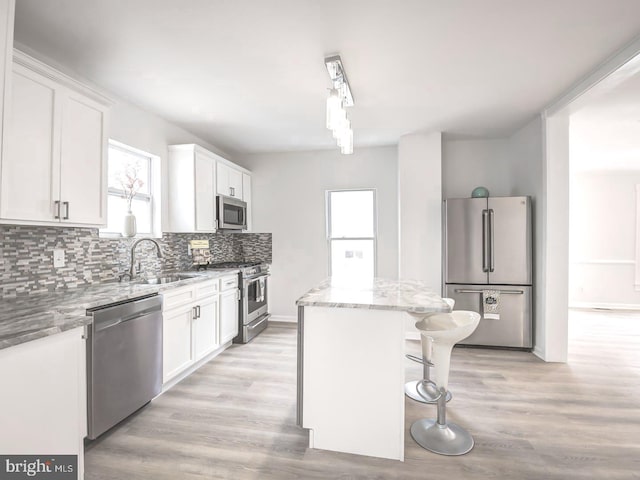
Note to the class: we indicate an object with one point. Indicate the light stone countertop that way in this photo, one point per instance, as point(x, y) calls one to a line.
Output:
point(29, 317)
point(412, 296)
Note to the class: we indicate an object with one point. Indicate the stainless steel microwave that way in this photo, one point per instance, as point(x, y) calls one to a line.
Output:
point(231, 213)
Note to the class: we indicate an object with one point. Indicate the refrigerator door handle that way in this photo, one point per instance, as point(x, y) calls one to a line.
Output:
point(485, 240)
point(492, 264)
point(502, 292)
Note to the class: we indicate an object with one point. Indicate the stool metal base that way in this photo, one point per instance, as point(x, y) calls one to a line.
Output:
point(428, 391)
point(448, 439)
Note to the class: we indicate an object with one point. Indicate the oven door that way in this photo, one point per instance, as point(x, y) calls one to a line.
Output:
point(255, 297)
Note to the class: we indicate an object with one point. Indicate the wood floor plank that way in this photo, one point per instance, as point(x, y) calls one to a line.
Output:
point(235, 417)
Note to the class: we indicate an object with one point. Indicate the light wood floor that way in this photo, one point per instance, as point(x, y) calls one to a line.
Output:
point(235, 417)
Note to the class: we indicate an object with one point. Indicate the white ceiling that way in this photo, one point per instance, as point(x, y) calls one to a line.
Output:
point(248, 75)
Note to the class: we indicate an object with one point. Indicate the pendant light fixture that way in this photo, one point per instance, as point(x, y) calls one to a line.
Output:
point(339, 97)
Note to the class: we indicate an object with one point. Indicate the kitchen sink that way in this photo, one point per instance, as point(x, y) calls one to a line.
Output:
point(167, 279)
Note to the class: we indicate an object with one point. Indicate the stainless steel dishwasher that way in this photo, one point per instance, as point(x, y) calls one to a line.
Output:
point(124, 360)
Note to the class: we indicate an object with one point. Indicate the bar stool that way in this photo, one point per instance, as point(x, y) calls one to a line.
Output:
point(445, 330)
point(424, 390)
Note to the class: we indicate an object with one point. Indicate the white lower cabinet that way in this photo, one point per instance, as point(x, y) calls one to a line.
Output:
point(229, 297)
point(43, 402)
point(205, 328)
point(176, 341)
point(190, 326)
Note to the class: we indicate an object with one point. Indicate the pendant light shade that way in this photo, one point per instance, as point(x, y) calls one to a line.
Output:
point(339, 97)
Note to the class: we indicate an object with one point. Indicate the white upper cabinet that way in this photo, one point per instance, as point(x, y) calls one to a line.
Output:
point(229, 181)
point(83, 160)
point(55, 155)
point(192, 194)
point(30, 167)
point(7, 8)
point(246, 193)
point(195, 177)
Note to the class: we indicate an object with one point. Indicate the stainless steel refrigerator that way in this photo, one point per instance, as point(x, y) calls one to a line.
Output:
point(488, 267)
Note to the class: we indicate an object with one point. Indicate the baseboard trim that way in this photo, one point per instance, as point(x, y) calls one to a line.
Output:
point(412, 335)
point(283, 318)
point(538, 352)
point(604, 306)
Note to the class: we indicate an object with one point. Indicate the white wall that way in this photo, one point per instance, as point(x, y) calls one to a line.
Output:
point(471, 163)
point(140, 129)
point(602, 240)
point(420, 208)
point(289, 201)
point(526, 153)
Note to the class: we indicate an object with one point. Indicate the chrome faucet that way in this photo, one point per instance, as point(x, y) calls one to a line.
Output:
point(132, 270)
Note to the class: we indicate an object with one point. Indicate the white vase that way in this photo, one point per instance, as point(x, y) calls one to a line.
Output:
point(130, 228)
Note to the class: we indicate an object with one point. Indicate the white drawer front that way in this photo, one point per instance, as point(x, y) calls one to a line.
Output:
point(227, 283)
point(179, 296)
point(206, 289)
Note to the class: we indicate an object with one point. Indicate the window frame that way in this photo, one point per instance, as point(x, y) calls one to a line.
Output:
point(331, 239)
point(152, 197)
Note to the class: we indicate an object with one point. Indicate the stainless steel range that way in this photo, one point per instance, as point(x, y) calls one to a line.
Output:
point(253, 309)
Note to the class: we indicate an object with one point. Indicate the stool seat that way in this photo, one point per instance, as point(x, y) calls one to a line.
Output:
point(444, 330)
point(424, 390)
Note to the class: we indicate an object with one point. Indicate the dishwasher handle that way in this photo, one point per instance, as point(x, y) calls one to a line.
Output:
point(115, 314)
point(105, 324)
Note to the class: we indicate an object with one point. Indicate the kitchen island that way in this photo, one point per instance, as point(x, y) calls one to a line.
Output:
point(351, 345)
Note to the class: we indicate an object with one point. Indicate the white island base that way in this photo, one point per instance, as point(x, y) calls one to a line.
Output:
point(352, 369)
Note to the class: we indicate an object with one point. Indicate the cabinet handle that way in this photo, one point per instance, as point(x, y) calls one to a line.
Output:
point(56, 207)
point(198, 309)
point(195, 312)
point(233, 191)
point(66, 210)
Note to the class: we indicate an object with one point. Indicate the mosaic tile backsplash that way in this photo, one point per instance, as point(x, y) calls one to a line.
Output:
point(26, 255)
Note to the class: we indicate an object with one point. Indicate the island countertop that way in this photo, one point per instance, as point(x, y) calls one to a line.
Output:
point(413, 296)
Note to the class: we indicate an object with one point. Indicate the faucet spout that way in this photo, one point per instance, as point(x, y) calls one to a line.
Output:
point(132, 270)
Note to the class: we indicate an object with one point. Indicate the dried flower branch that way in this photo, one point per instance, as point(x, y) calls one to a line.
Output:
point(130, 182)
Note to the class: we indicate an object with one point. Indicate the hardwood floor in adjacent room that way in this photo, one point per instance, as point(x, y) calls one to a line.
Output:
point(235, 417)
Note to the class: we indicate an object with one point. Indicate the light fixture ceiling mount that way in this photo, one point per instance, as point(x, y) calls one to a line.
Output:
point(340, 96)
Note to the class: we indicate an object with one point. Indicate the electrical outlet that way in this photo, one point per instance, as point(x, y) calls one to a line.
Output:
point(58, 258)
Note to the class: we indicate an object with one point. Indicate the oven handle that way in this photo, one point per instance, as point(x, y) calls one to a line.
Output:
point(249, 280)
point(262, 319)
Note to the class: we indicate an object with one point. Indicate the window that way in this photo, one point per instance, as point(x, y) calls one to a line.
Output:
point(132, 177)
point(351, 233)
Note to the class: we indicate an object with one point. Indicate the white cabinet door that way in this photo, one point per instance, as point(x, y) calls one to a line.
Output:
point(205, 327)
point(229, 181)
point(205, 195)
point(228, 315)
point(235, 183)
point(43, 385)
point(246, 196)
point(30, 166)
point(176, 341)
point(7, 13)
point(83, 161)
point(222, 180)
